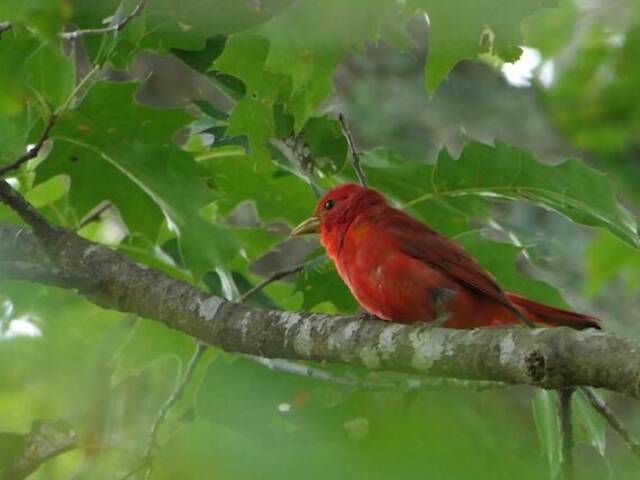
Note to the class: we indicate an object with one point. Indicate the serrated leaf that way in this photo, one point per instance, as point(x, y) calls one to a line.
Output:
point(112, 137)
point(403, 180)
point(573, 189)
point(277, 195)
point(477, 26)
point(35, 77)
point(324, 32)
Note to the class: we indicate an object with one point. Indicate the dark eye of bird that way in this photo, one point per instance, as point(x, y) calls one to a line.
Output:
point(328, 205)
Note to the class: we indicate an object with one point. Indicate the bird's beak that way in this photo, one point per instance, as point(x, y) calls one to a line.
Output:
point(310, 225)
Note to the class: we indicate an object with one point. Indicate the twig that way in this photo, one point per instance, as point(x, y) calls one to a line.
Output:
point(33, 151)
point(274, 277)
point(116, 27)
point(291, 155)
point(355, 156)
point(603, 409)
point(566, 433)
point(94, 216)
point(147, 461)
point(405, 384)
point(152, 444)
point(47, 439)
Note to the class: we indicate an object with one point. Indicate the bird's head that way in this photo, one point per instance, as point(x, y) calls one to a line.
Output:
point(337, 209)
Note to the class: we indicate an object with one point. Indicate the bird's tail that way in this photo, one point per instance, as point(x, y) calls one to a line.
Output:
point(552, 316)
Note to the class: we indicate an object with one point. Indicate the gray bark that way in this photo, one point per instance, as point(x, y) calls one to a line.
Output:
point(546, 357)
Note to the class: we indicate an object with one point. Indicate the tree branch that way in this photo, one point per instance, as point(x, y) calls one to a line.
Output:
point(116, 27)
point(551, 358)
point(47, 439)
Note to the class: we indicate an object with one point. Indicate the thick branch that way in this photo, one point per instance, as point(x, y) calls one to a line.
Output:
point(551, 358)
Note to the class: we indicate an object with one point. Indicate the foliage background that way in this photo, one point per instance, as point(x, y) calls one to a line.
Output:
point(184, 126)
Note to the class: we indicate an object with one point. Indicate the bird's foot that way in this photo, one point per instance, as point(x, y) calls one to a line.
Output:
point(441, 298)
point(440, 320)
point(362, 314)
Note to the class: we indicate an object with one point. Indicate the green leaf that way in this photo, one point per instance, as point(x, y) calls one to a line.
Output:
point(11, 448)
point(179, 24)
point(126, 145)
point(463, 29)
point(548, 427)
point(36, 77)
point(590, 426)
point(607, 258)
point(501, 259)
point(42, 16)
point(320, 283)
point(581, 193)
point(48, 192)
point(276, 194)
point(549, 29)
point(324, 32)
point(403, 181)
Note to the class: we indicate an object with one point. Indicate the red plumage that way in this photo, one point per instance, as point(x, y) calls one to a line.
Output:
point(401, 270)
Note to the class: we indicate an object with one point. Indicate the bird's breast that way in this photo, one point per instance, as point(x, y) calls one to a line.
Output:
point(387, 282)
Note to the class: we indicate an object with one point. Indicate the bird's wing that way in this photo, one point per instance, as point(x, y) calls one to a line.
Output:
point(440, 253)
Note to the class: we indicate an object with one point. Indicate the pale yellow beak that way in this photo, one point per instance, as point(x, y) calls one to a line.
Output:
point(310, 225)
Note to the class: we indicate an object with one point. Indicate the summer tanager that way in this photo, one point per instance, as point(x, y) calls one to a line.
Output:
point(401, 270)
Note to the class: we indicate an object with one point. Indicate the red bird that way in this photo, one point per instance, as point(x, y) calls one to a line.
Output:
point(401, 270)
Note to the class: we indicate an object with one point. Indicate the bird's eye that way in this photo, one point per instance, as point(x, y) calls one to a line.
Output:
point(328, 205)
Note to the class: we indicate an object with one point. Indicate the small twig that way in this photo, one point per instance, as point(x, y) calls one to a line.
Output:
point(94, 216)
point(176, 394)
point(116, 27)
point(147, 461)
point(355, 156)
point(603, 409)
point(411, 384)
point(566, 433)
point(47, 439)
point(33, 151)
point(291, 155)
point(274, 277)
